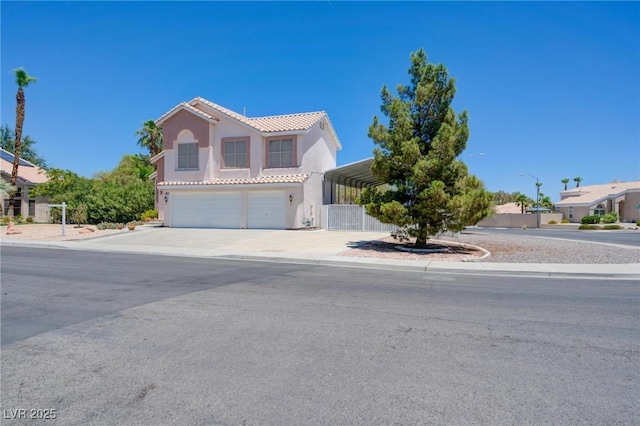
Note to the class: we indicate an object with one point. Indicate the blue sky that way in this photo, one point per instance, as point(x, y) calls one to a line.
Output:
point(552, 89)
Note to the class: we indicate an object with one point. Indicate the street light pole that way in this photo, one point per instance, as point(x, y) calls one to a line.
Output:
point(538, 185)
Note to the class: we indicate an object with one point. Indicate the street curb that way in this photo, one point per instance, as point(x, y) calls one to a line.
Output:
point(369, 263)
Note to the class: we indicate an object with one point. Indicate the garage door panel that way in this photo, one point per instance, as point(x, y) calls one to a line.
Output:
point(206, 210)
point(266, 210)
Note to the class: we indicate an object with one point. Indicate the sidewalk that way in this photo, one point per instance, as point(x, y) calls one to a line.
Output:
point(309, 247)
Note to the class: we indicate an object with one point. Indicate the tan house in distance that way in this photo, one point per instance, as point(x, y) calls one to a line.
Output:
point(28, 176)
point(622, 198)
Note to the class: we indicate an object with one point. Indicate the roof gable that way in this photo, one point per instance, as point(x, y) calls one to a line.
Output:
point(593, 194)
point(288, 123)
point(27, 171)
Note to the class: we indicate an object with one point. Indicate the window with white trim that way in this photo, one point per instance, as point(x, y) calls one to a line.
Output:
point(281, 152)
point(599, 210)
point(234, 153)
point(188, 156)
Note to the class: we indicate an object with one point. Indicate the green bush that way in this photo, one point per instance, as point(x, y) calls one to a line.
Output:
point(30, 219)
point(612, 227)
point(564, 221)
point(610, 218)
point(109, 225)
point(5, 220)
point(589, 226)
point(590, 219)
point(149, 214)
point(638, 223)
point(524, 227)
point(552, 222)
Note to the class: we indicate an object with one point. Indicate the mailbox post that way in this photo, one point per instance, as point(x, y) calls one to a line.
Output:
point(64, 213)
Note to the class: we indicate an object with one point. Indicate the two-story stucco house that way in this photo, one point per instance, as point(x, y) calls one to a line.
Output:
point(221, 169)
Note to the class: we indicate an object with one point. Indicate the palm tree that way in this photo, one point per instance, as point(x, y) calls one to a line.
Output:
point(150, 137)
point(22, 80)
point(523, 202)
point(565, 181)
point(577, 180)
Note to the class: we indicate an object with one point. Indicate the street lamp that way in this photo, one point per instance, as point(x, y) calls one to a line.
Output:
point(538, 185)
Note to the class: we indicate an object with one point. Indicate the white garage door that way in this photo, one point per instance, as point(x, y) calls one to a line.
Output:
point(266, 210)
point(206, 210)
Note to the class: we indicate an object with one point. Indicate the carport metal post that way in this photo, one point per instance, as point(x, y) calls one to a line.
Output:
point(64, 213)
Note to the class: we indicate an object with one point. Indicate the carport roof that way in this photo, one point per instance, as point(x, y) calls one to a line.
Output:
point(353, 173)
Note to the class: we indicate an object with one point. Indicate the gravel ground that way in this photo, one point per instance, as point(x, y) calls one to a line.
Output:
point(509, 249)
point(52, 232)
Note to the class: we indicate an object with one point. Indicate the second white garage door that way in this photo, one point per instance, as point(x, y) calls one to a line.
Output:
point(266, 210)
point(206, 210)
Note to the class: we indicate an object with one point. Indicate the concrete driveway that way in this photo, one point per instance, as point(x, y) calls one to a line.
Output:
point(236, 242)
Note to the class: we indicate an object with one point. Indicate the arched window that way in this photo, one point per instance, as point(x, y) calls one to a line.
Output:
point(599, 210)
point(187, 151)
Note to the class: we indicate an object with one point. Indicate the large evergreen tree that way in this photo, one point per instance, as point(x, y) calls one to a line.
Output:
point(429, 190)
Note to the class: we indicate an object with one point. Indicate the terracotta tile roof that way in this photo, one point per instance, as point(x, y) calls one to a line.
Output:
point(27, 172)
point(510, 208)
point(190, 108)
point(593, 194)
point(299, 178)
point(269, 124)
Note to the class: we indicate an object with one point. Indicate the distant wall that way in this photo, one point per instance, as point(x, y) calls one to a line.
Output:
point(509, 220)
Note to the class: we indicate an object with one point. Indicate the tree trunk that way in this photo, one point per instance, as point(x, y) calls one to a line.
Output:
point(422, 235)
point(20, 104)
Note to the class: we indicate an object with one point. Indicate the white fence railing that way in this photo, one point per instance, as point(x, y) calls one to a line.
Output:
point(349, 217)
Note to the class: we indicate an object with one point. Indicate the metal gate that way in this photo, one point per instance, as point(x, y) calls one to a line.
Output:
point(349, 217)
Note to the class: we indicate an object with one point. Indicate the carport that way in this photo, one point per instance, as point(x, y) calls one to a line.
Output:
point(342, 185)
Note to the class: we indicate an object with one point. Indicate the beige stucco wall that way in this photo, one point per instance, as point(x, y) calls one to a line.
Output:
point(629, 211)
point(508, 220)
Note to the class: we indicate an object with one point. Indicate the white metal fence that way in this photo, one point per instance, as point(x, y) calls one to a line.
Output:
point(349, 217)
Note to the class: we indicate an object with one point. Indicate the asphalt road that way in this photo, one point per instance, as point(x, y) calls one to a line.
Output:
point(110, 338)
point(623, 237)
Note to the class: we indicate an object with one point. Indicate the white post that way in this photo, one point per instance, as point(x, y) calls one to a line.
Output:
point(64, 216)
point(364, 217)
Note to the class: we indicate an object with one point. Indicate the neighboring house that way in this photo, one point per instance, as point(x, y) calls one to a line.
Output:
point(508, 208)
point(221, 169)
point(28, 176)
point(622, 198)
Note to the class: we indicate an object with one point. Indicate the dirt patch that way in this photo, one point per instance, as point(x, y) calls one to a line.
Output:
point(52, 232)
point(386, 249)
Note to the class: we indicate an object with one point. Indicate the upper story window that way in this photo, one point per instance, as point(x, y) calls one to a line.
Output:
point(235, 153)
point(188, 156)
point(281, 152)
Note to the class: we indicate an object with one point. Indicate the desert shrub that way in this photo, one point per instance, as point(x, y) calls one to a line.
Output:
point(106, 225)
point(30, 219)
point(612, 227)
point(590, 219)
point(5, 220)
point(524, 227)
point(564, 221)
point(589, 226)
point(79, 214)
point(552, 222)
point(149, 214)
point(638, 223)
point(610, 218)
point(400, 234)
